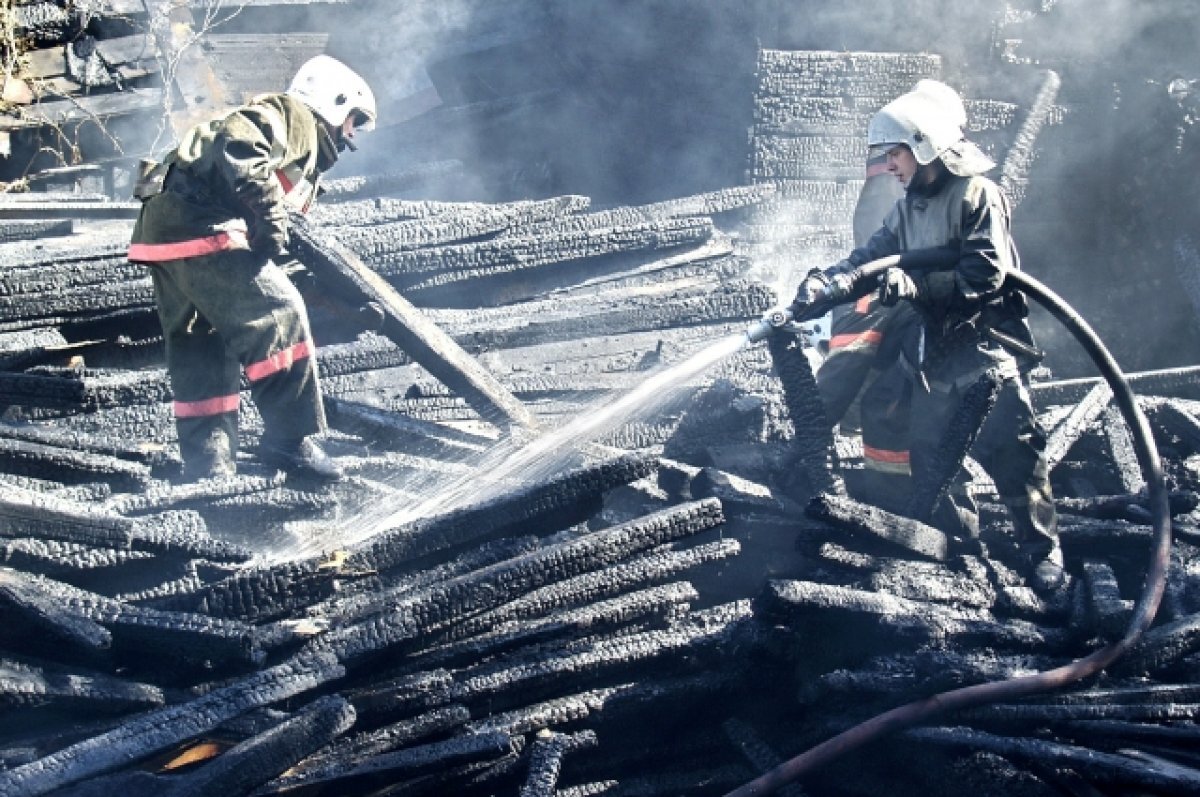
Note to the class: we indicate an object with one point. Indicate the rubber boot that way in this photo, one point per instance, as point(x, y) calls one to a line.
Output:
point(300, 457)
point(1035, 523)
point(208, 447)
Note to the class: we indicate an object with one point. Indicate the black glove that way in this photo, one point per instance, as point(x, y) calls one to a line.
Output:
point(810, 289)
point(895, 285)
point(269, 236)
point(828, 287)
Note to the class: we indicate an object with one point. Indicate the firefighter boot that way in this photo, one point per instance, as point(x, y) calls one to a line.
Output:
point(208, 447)
point(1036, 526)
point(299, 457)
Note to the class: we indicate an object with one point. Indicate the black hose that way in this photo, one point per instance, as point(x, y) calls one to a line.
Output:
point(920, 711)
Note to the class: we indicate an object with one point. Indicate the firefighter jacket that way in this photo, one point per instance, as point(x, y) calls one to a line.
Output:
point(964, 293)
point(230, 182)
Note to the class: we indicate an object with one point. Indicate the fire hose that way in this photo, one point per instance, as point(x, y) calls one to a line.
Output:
point(920, 711)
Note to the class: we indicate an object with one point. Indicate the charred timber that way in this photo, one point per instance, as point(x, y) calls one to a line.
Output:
point(492, 586)
point(344, 273)
point(26, 685)
point(868, 522)
point(379, 241)
point(545, 760)
point(655, 565)
point(813, 441)
point(515, 511)
point(159, 730)
point(396, 767)
point(256, 761)
point(1103, 768)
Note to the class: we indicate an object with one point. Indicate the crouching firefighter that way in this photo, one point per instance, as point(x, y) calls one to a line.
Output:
point(951, 229)
point(213, 223)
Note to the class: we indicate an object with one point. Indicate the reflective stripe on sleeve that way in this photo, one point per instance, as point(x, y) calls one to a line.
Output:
point(206, 407)
point(279, 361)
point(219, 242)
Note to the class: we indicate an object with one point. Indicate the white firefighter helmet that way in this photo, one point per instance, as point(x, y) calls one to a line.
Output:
point(929, 120)
point(333, 91)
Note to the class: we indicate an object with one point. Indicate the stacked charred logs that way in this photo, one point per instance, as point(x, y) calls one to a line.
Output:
point(692, 600)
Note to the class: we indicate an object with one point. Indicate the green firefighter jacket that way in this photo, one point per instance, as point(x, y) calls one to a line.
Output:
point(234, 179)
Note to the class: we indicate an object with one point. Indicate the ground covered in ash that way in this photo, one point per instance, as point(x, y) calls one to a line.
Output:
point(667, 598)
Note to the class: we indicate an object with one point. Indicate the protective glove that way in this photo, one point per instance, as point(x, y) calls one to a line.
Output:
point(269, 236)
point(811, 288)
point(895, 285)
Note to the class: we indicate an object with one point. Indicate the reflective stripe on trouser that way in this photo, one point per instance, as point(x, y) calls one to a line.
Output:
point(1010, 446)
point(224, 312)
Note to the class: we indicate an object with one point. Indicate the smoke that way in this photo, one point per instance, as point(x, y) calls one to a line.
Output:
point(631, 101)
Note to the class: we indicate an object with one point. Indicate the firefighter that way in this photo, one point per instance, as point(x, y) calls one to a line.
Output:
point(862, 384)
point(952, 226)
point(212, 227)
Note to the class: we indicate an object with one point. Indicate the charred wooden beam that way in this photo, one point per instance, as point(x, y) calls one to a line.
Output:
point(157, 636)
point(26, 685)
point(494, 585)
point(1104, 768)
point(1107, 614)
point(70, 465)
point(819, 608)
point(655, 565)
point(541, 672)
point(813, 441)
point(650, 604)
point(346, 752)
point(401, 765)
point(62, 559)
point(378, 242)
point(423, 341)
point(545, 760)
point(1085, 412)
point(158, 730)
point(520, 509)
point(256, 594)
point(33, 610)
point(1161, 647)
point(433, 267)
point(1183, 382)
point(871, 522)
point(256, 761)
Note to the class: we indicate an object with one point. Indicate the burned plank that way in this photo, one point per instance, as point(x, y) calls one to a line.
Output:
point(256, 761)
point(423, 341)
point(28, 685)
point(545, 760)
point(35, 613)
point(158, 730)
point(501, 515)
point(1105, 768)
point(398, 766)
point(871, 522)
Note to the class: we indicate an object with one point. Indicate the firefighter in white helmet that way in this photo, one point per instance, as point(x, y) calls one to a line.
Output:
point(952, 229)
point(214, 220)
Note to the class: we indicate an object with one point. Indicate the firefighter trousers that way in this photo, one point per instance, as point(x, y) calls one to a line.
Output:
point(227, 313)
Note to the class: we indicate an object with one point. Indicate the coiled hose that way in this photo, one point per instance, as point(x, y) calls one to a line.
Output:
point(921, 711)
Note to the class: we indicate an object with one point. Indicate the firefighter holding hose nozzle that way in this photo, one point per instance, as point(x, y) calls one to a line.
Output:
point(950, 246)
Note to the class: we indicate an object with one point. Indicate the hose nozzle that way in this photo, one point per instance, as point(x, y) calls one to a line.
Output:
point(766, 326)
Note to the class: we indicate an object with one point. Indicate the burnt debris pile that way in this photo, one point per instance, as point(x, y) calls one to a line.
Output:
point(671, 608)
